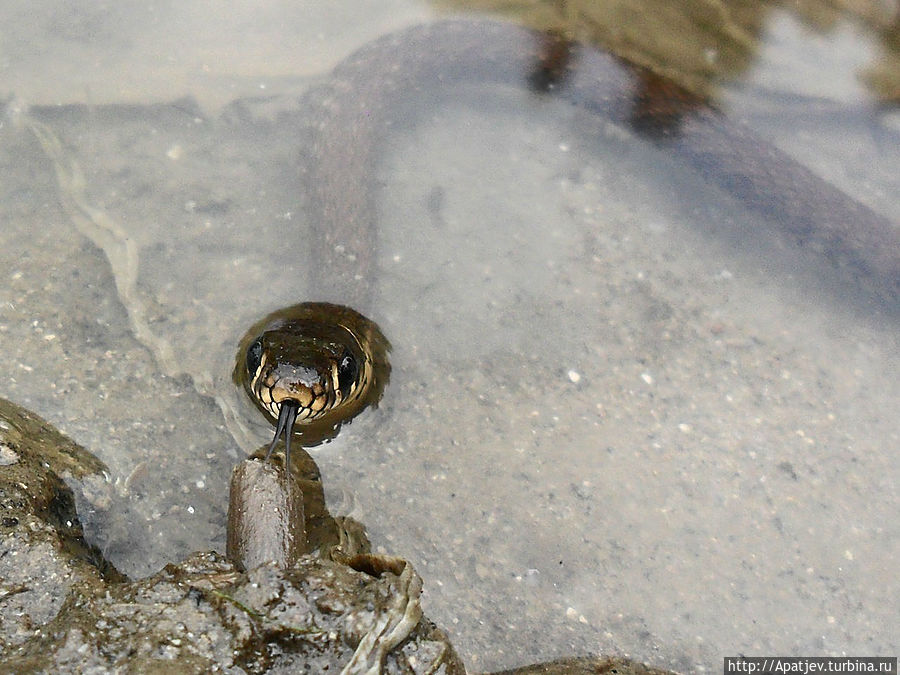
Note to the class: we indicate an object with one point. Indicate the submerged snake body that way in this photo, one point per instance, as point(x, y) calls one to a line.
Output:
point(350, 115)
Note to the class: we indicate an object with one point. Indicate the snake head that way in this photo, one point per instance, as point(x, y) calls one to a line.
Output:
point(311, 367)
point(311, 373)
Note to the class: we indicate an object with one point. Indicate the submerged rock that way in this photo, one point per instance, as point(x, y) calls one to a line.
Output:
point(44, 558)
point(64, 608)
point(201, 615)
point(329, 606)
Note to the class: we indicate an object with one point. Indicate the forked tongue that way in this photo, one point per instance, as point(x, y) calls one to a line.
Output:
point(286, 416)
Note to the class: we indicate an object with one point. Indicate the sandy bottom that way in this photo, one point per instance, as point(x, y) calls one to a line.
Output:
point(625, 415)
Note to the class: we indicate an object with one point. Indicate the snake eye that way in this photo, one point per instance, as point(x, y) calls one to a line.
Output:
point(347, 372)
point(254, 356)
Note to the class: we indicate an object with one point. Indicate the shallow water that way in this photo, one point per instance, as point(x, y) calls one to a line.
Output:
point(624, 414)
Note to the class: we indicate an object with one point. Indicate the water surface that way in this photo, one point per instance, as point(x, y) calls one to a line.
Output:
point(624, 415)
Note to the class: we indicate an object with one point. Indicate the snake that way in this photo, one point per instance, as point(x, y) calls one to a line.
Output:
point(312, 366)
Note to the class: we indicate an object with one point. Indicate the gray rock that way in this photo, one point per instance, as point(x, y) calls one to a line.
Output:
point(63, 608)
point(341, 609)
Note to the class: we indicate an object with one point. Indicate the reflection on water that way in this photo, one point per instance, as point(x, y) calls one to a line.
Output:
point(701, 43)
point(624, 415)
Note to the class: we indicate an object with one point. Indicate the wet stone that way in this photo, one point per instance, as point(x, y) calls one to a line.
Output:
point(64, 608)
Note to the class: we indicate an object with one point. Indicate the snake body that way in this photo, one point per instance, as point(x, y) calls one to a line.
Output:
point(351, 113)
